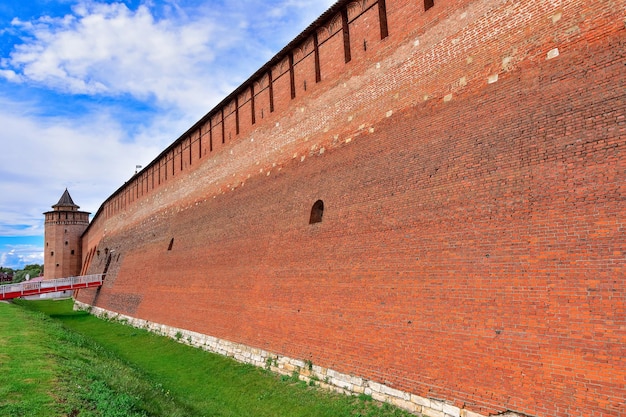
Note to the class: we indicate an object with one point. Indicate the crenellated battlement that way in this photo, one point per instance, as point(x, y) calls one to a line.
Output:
point(294, 72)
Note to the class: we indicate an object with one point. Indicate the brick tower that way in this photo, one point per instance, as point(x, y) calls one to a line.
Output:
point(63, 229)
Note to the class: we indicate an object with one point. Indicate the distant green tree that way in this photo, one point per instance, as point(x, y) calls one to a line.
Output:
point(33, 271)
point(19, 276)
point(34, 268)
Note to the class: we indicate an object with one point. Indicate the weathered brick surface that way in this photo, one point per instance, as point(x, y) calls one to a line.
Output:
point(471, 251)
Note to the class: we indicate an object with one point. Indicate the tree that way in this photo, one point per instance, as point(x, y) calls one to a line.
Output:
point(32, 271)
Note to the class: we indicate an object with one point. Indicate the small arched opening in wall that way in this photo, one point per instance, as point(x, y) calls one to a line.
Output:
point(317, 212)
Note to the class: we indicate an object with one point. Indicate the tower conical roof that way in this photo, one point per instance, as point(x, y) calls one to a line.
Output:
point(66, 202)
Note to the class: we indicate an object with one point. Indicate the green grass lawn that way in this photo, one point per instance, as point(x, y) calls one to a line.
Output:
point(92, 367)
point(27, 363)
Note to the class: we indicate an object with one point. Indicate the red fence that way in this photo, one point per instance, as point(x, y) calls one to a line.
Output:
point(53, 285)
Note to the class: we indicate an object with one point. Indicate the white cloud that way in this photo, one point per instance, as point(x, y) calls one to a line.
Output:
point(183, 61)
point(17, 256)
point(42, 156)
point(108, 49)
point(10, 75)
point(306, 12)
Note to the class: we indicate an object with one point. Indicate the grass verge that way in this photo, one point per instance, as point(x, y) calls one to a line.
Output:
point(54, 371)
point(27, 365)
point(108, 369)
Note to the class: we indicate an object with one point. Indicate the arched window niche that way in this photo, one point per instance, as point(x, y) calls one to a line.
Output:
point(317, 211)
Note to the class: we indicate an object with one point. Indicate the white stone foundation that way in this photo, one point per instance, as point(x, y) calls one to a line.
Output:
point(324, 377)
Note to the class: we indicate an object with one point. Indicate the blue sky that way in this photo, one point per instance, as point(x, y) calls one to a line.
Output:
point(90, 89)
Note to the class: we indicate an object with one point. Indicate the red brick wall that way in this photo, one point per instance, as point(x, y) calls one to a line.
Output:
point(472, 244)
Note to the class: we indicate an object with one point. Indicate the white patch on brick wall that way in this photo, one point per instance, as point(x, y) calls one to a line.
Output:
point(552, 53)
point(447, 98)
point(506, 62)
point(492, 79)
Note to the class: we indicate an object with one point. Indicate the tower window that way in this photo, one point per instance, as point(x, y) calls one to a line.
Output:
point(171, 244)
point(52, 253)
point(428, 4)
point(72, 251)
point(317, 211)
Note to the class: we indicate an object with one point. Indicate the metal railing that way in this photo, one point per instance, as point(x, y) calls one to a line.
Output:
point(25, 288)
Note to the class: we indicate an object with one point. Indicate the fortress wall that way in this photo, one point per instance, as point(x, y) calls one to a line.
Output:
point(471, 250)
point(232, 119)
